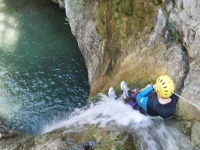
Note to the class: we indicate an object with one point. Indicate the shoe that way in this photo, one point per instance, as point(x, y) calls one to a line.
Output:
point(126, 89)
point(111, 93)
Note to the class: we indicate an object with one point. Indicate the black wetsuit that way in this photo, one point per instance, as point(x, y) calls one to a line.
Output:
point(155, 108)
point(149, 102)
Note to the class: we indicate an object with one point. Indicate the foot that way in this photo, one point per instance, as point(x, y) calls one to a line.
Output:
point(126, 89)
point(111, 93)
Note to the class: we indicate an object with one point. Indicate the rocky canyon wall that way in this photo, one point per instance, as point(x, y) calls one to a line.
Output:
point(136, 41)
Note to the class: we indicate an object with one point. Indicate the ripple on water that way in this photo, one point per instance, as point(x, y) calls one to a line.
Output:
point(42, 72)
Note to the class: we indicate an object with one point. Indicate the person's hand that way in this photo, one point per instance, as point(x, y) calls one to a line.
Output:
point(154, 86)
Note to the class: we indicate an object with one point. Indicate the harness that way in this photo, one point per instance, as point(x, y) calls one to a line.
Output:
point(133, 102)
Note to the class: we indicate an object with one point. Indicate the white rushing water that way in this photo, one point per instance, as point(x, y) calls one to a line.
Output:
point(151, 132)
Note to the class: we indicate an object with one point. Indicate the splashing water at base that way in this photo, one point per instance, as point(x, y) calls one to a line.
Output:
point(150, 133)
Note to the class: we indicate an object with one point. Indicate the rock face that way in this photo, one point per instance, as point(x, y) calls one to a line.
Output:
point(127, 40)
point(87, 138)
point(137, 41)
point(187, 22)
point(185, 17)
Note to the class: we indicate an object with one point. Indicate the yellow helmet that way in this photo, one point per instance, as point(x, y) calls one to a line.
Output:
point(165, 86)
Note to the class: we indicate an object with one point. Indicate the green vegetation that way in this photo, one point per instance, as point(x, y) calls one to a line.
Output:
point(127, 7)
point(119, 27)
point(113, 63)
point(138, 83)
point(101, 27)
point(116, 15)
point(173, 32)
point(156, 2)
point(142, 14)
point(118, 90)
point(96, 98)
point(114, 8)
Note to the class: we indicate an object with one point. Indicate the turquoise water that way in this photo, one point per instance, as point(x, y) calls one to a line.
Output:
point(43, 76)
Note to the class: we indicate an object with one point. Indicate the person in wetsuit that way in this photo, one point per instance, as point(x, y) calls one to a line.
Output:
point(159, 100)
point(156, 100)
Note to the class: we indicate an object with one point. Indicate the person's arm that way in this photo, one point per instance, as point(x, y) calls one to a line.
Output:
point(145, 92)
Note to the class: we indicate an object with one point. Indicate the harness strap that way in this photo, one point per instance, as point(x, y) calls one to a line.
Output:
point(134, 103)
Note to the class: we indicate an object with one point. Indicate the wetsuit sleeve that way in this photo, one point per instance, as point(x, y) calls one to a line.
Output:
point(142, 97)
point(145, 92)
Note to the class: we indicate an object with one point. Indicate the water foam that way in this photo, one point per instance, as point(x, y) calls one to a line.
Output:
point(150, 133)
point(102, 114)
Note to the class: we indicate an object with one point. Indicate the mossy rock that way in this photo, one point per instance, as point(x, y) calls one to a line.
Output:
point(94, 99)
point(156, 2)
point(127, 7)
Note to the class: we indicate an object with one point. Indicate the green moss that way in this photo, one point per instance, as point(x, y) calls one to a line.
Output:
point(119, 27)
point(127, 7)
point(142, 15)
point(114, 8)
point(89, 134)
point(116, 15)
point(113, 63)
point(173, 32)
point(138, 83)
point(102, 20)
point(118, 90)
point(118, 24)
point(119, 146)
point(129, 143)
point(113, 51)
point(148, 10)
point(156, 2)
point(138, 19)
point(94, 99)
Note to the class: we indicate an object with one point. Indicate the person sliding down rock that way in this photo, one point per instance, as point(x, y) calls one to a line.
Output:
point(157, 100)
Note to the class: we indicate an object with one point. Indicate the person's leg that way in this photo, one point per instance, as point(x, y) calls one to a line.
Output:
point(112, 94)
point(142, 102)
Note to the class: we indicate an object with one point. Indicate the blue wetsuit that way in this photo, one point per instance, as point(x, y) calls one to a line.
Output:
point(149, 102)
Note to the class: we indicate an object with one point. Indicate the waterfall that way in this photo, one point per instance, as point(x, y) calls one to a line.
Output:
point(150, 133)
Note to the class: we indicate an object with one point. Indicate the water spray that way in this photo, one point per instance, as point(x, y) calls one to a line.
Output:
point(193, 104)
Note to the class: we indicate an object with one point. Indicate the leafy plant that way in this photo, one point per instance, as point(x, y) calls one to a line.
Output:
point(114, 8)
point(116, 15)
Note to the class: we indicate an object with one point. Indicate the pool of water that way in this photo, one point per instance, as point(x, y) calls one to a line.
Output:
point(43, 76)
